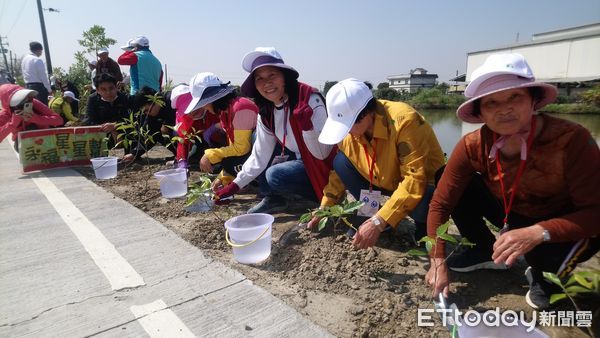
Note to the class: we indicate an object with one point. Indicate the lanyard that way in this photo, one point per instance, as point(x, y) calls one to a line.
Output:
point(514, 188)
point(285, 119)
point(371, 162)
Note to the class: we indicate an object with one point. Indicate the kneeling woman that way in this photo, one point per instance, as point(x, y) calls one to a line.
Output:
point(533, 175)
point(286, 152)
point(237, 117)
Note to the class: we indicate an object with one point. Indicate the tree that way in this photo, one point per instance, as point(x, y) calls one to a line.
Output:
point(94, 39)
point(383, 85)
point(328, 85)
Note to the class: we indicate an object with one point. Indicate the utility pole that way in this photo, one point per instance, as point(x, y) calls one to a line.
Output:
point(4, 56)
point(44, 37)
point(12, 67)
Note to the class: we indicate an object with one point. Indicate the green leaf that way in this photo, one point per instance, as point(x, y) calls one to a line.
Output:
point(448, 238)
point(321, 213)
point(416, 252)
point(305, 218)
point(553, 278)
point(336, 210)
point(465, 241)
point(575, 289)
point(583, 281)
point(427, 239)
point(352, 206)
point(556, 297)
point(322, 223)
point(428, 246)
point(442, 229)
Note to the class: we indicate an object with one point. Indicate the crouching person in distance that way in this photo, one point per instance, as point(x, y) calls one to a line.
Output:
point(533, 175)
point(237, 117)
point(385, 148)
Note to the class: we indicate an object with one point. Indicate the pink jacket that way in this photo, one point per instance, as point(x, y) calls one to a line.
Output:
point(43, 116)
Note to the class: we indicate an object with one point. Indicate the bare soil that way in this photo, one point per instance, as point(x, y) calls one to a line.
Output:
point(350, 292)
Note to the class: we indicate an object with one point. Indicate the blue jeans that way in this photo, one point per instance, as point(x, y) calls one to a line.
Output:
point(354, 182)
point(289, 177)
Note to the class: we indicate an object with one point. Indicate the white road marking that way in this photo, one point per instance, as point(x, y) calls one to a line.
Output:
point(158, 321)
point(116, 269)
point(155, 318)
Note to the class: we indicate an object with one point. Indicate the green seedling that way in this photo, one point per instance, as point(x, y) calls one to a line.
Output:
point(441, 233)
point(336, 212)
point(581, 282)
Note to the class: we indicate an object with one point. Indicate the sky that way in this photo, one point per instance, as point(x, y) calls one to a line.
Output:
point(324, 40)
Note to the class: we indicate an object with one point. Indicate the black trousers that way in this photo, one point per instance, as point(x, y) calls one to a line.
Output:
point(42, 91)
point(477, 203)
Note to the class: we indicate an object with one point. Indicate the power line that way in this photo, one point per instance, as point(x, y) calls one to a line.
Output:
point(23, 3)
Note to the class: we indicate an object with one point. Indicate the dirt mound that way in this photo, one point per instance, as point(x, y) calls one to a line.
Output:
point(352, 293)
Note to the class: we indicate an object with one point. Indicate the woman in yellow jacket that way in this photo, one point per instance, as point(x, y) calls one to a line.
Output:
point(385, 149)
point(237, 119)
point(62, 106)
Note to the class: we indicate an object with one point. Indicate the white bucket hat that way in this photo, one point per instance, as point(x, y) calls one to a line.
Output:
point(102, 50)
point(70, 94)
point(206, 88)
point(260, 57)
point(344, 101)
point(502, 72)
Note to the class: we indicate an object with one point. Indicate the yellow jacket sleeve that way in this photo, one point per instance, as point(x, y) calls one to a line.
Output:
point(241, 146)
point(333, 191)
point(412, 145)
point(67, 112)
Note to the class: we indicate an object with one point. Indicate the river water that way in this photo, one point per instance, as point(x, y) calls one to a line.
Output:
point(448, 128)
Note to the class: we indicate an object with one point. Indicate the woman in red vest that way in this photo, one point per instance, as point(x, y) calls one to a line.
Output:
point(286, 157)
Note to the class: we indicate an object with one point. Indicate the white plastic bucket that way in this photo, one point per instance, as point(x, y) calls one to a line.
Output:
point(173, 182)
point(104, 167)
point(250, 237)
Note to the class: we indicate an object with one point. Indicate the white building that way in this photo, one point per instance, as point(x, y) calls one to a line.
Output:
point(568, 58)
point(413, 81)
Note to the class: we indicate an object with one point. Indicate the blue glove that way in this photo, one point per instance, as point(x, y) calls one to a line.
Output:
point(207, 135)
point(182, 164)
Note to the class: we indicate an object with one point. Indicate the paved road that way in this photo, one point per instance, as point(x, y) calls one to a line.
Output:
point(77, 261)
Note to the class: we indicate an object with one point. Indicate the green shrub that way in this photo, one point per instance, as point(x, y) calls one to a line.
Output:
point(571, 108)
point(591, 97)
point(435, 98)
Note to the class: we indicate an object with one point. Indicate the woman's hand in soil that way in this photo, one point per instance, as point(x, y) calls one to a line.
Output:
point(514, 243)
point(128, 158)
point(216, 185)
point(368, 234)
point(438, 279)
point(222, 194)
point(205, 164)
point(313, 222)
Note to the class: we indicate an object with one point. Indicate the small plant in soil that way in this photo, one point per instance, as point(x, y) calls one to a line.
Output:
point(134, 128)
point(337, 213)
point(441, 233)
point(581, 282)
point(201, 192)
point(191, 135)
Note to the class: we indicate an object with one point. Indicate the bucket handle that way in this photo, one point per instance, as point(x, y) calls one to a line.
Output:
point(245, 244)
point(102, 165)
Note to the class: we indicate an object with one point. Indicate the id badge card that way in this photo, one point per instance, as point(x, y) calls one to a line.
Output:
point(279, 159)
point(371, 202)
